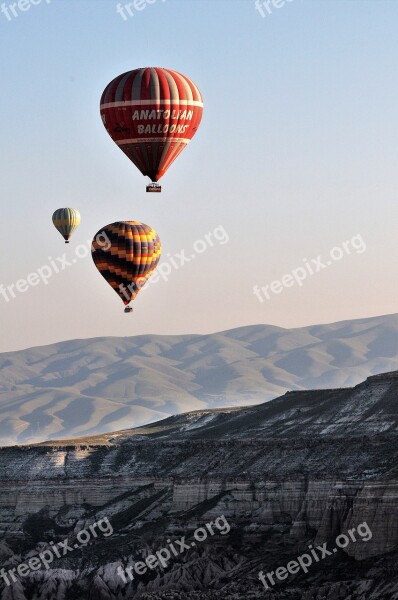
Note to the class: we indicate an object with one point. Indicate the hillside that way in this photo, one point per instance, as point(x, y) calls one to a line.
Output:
point(83, 387)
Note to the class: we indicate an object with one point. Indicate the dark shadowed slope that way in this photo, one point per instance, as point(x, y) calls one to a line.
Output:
point(368, 409)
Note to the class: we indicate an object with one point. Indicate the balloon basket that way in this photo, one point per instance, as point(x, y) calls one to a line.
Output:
point(154, 187)
point(128, 309)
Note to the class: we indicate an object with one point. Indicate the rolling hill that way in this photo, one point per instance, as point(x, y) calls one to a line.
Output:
point(86, 387)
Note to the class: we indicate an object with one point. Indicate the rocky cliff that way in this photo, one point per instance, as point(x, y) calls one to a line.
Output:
point(297, 471)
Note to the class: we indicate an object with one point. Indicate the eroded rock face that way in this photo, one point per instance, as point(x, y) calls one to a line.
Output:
point(282, 483)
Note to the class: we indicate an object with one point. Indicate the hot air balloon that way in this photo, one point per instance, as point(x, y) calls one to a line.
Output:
point(152, 114)
point(66, 220)
point(128, 258)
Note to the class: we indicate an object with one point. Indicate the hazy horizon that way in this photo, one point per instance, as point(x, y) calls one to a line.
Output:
point(205, 332)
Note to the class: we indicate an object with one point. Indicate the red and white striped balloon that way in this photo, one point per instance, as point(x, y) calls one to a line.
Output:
point(151, 114)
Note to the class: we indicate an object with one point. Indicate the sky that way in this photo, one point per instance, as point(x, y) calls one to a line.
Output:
point(285, 202)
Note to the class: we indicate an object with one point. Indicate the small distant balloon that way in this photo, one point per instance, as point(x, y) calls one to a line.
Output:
point(126, 253)
point(66, 220)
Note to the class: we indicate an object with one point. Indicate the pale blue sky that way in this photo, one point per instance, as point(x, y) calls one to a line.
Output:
point(297, 153)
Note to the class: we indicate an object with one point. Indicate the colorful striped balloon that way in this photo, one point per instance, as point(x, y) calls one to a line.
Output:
point(126, 253)
point(152, 114)
point(66, 220)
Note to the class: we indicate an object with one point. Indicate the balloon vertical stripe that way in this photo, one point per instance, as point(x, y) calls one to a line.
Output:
point(66, 220)
point(152, 114)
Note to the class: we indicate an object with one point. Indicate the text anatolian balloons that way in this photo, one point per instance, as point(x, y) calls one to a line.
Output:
point(152, 114)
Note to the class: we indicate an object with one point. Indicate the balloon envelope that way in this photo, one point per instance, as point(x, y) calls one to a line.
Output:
point(151, 114)
point(126, 253)
point(66, 220)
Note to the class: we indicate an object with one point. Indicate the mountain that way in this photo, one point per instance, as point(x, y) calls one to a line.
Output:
point(294, 473)
point(84, 387)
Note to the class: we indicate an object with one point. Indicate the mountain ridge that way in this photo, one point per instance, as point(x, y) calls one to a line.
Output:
point(327, 406)
point(84, 387)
